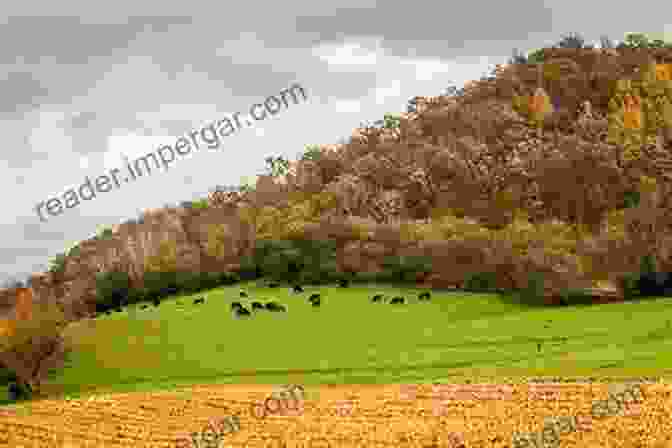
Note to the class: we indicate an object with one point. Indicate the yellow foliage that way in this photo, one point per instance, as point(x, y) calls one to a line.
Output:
point(218, 235)
point(647, 184)
point(24, 303)
point(165, 260)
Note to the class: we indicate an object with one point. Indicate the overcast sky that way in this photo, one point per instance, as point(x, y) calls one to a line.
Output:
point(86, 84)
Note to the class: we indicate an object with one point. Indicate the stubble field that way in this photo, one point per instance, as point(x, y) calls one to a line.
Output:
point(342, 416)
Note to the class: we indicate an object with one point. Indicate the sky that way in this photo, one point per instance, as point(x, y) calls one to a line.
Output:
point(87, 86)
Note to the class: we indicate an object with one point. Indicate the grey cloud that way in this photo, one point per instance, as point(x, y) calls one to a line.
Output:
point(69, 41)
point(20, 92)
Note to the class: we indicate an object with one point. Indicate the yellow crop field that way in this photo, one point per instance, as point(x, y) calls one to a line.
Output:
point(342, 416)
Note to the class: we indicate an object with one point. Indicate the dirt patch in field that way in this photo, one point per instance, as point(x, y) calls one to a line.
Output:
point(426, 416)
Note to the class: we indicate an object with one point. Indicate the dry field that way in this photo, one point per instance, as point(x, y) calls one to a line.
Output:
point(342, 416)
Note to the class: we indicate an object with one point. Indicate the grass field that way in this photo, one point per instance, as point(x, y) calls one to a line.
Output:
point(349, 340)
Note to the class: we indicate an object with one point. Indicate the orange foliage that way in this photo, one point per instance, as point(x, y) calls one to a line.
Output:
point(24, 303)
point(632, 112)
point(664, 72)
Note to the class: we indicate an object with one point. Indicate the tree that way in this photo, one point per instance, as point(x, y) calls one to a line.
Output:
point(276, 166)
point(28, 345)
point(518, 57)
point(605, 42)
point(572, 40)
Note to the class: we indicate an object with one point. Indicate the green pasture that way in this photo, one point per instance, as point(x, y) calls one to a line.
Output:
point(349, 340)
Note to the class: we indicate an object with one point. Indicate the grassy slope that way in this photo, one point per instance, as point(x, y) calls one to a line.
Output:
point(350, 340)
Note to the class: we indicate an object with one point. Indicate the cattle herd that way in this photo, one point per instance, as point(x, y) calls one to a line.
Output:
point(315, 299)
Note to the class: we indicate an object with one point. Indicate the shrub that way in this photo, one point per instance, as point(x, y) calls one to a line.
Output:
point(533, 294)
point(628, 284)
point(404, 269)
point(7, 375)
point(112, 289)
point(481, 282)
point(652, 284)
point(158, 284)
point(249, 270)
point(189, 282)
point(576, 297)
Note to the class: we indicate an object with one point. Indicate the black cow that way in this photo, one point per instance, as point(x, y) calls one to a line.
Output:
point(275, 306)
point(243, 294)
point(297, 289)
point(156, 302)
point(377, 298)
point(314, 296)
point(316, 302)
point(343, 283)
point(397, 300)
point(197, 301)
point(257, 306)
point(144, 307)
point(242, 311)
point(235, 306)
point(424, 296)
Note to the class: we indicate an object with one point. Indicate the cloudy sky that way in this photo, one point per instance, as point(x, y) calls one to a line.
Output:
point(85, 84)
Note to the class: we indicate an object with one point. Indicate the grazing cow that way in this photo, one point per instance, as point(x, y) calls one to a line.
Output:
point(156, 302)
point(257, 306)
point(424, 296)
point(343, 283)
point(377, 298)
point(144, 307)
point(314, 296)
point(275, 306)
point(197, 301)
point(242, 311)
point(297, 289)
point(243, 294)
point(316, 302)
point(396, 300)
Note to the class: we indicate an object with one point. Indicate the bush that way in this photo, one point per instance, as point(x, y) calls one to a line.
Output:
point(160, 284)
point(628, 284)
point(112, 290)
point(249, 269)
point(533, 294)
point(294, 260)
point(576, 297)
point(481, 282)
point(404, 269)
point(652, 284)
